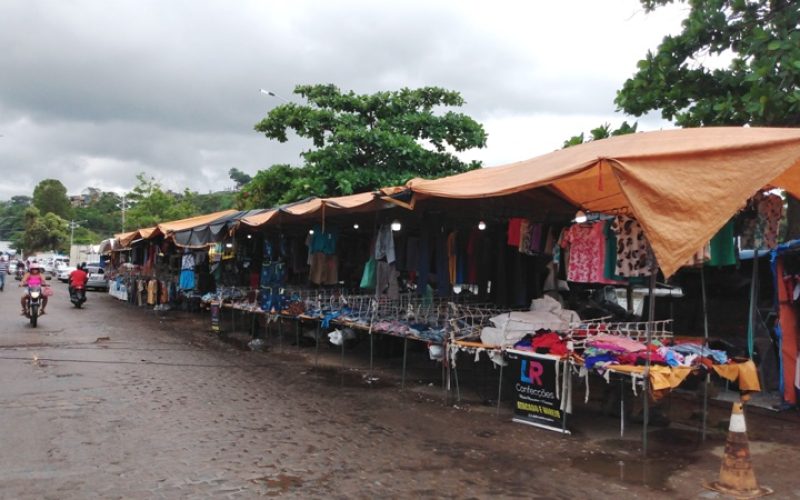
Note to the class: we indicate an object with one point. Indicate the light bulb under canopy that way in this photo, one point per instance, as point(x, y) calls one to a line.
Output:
point(355, 226)
point(581, 217)
point(396, 226)
point(481, 225)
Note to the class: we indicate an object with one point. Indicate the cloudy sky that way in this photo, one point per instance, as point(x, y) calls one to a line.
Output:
point(93, 92)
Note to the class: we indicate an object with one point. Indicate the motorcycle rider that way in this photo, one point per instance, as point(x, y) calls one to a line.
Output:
point(78, 278)
point(33, 277)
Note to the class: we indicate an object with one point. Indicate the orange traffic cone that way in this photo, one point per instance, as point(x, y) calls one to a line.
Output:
point(736, 476)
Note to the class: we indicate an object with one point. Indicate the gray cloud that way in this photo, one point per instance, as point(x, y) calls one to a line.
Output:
point(94, 92)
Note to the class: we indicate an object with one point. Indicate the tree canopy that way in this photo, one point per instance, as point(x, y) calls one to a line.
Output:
point(239, 177)
point(50, 196)
point(47, 232)
point(366, 141)
point(602, 132)
point(150, 204)
point(274, 186)
point(760, 85)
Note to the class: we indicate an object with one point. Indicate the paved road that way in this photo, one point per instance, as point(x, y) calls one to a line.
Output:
point(113, 402)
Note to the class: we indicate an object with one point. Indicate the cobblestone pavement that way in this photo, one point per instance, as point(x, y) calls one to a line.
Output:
point(116, 402)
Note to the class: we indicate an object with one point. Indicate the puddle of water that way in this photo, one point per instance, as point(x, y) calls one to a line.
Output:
point(347, 378)
point(669, 451)
point(651, 472)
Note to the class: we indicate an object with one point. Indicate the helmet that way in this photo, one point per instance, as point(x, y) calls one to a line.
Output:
point(34, 267)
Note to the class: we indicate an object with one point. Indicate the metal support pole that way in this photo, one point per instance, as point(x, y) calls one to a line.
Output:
point(651, 313)
point(279, 319)
point(751, 323)
point(405, 357)
point(705, 344)
point(621, 407)
point(342, 351)
point(297, 332)
point(371, 354)
point(499, 390)
point(316, 347)
point(458, 386)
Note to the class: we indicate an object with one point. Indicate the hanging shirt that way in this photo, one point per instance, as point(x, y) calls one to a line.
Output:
point(188, 261)
point(514, 229)
point(587, 245)
point(761, 230)
point(152, 292)
point(384, 244)
point(723, 252)
point(451, 257)
point(634, 257)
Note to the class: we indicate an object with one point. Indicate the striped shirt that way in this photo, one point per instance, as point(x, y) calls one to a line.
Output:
point(3, 267)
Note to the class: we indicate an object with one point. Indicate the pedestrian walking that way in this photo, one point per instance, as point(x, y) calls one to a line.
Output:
point(3, 272)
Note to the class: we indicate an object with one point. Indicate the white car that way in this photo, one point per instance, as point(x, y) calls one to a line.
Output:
point(64, 272)
point(97, 278)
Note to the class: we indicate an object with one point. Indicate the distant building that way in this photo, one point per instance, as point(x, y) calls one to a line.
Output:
point(84, 253)
point(78, 201)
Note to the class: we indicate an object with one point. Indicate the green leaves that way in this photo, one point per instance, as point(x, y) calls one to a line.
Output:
point(50, 195)
point(761, 40)
point(364, 142)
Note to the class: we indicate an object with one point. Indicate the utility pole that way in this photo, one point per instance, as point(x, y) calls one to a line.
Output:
point(123, 206)
point(72, 225)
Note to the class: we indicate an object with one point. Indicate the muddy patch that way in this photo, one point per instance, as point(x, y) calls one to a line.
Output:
point(347, 378)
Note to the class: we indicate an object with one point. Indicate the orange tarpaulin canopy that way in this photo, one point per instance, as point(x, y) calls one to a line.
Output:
point(682, 185)
point(165, 228)
point(125, 239)
point(355, 203)
point(200, 220)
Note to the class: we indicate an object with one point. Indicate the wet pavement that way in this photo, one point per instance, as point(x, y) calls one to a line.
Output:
point(115, 401)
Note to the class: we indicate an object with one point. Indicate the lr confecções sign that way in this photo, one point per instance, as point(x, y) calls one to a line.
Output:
point(535, 400)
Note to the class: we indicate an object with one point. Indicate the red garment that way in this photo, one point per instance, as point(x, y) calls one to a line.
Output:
point(78, 278)
point(514, 231)
point(549, 342)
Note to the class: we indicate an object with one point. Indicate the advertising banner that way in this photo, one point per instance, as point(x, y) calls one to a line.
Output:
point(537, 394)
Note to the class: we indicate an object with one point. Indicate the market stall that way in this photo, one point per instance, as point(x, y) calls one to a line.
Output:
point(438, 261)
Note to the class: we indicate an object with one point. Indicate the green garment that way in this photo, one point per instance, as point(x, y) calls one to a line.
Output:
point(610, 267)
point(723, 252)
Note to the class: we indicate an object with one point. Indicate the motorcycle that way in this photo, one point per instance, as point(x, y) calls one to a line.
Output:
point(34, 304)
point(77, 295)
point(19, 274)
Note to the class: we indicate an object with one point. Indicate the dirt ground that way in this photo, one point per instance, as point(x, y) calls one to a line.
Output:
point(115, 401)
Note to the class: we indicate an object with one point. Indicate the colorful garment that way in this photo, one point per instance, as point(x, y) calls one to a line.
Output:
point(586, 253)
point(761, 231)
point(723, 252)
point(514, 228)
point(634, 257)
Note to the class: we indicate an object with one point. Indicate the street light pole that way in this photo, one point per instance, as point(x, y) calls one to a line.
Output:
point(273, 94)
point(123, 206)
point(72, 225)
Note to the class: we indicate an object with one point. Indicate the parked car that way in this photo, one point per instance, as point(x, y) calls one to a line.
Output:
point(97, 278)
point(64, 272)
point(48, 269)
